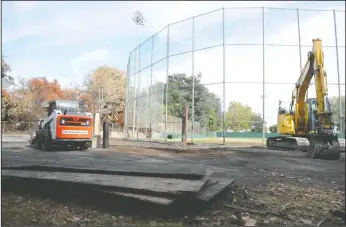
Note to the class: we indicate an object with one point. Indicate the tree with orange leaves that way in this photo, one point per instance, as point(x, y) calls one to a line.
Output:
point(26, 101)
point(43, 90)
point(106, 86)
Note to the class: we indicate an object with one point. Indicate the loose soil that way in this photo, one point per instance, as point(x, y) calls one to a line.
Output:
point(272, 188)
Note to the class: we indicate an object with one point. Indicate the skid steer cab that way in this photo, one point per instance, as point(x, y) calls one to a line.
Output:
point(66, 127)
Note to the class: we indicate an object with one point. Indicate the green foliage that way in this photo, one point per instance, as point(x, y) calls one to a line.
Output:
point(7, 80)
point(213, 124)
point(273, 128)
point(207, 106)
point(335, 108)
point(239, 117)
point(5, 68)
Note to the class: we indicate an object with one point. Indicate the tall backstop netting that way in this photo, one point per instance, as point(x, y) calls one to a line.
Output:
point(232, 67)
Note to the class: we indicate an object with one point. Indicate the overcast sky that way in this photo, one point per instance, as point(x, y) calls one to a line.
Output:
point(65, 40)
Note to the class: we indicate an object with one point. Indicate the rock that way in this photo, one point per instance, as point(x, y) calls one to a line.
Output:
point(75, 219)
point(237, 220)
point(272, 219)
point(199, 218)
point(233, 217)
point(249, 221)
point(215, 212)
point(336, 202)
point(307, 222)
point(246, 193)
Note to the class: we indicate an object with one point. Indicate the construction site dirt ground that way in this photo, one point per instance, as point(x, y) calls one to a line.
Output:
point(271, 188)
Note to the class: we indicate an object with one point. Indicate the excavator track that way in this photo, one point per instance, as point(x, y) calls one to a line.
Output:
point(288, 143)
point(318, 147)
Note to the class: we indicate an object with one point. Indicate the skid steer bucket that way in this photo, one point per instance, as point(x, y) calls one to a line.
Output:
point(32, 140)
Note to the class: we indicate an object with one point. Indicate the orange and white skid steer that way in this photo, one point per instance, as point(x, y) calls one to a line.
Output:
point(66, 126)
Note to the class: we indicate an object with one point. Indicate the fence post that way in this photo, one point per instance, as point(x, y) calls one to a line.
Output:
point(167, 76)
point(146, 109)
point(155, 107)
point(139, 91)
point(263, 83)
point(105, 143)
point(185, 127)
point(127, 97)
point(299, 41)
point(134, 96)
point(193, 79)
point(224, 77)
point(151, 86)
point(338, 71)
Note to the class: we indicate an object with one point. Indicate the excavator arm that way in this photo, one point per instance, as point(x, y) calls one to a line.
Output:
point(314, 67)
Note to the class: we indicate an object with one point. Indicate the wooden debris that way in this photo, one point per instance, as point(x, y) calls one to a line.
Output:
point(146, 198)
point(154, 184)
point(215, 187)
point(150, 180)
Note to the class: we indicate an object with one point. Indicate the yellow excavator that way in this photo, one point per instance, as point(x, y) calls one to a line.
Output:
point(308, 125)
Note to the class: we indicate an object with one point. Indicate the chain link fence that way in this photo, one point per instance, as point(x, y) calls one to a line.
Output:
point(253, 56)
point(8, 127)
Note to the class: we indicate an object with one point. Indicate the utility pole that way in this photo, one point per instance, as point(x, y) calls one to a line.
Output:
point(139, 20)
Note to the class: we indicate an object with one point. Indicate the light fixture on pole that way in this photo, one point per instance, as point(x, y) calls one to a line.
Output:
point(138, 18)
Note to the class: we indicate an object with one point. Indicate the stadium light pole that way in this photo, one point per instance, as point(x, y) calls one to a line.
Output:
point(139, 20)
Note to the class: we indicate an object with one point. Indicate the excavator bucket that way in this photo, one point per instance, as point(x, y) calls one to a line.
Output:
point(324, 147)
